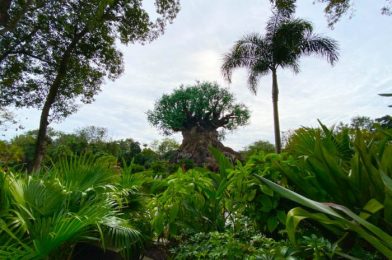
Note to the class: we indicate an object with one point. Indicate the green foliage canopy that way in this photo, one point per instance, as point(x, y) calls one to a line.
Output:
point(204, 105)
point(65, 49)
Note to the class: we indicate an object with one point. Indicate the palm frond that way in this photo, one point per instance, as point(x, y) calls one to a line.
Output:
point(324, 46)
point(246, 53)
point(118, 234)
point(258, 70)
point(84, 172)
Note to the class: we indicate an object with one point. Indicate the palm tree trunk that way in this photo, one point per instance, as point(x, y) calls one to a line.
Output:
point(275, 94)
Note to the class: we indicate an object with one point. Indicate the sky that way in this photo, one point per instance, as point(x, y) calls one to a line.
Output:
point(193, 47)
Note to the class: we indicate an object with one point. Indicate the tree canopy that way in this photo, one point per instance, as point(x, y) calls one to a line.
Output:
point(204, 105)
point(56, 54)
point(69, 46)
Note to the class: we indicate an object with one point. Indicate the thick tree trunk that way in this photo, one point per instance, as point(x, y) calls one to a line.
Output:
point(195, 146)
point(275, 94)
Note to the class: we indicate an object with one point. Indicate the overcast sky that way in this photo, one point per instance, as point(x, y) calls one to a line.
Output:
point(192, 49)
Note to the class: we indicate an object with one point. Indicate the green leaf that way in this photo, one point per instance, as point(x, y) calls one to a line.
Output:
point(158, 223)
point(251, 195)
point(173, 212)
point(266, 204)
point(266, 190)
point(370, 208)
point(281, 215)
point(272, 223)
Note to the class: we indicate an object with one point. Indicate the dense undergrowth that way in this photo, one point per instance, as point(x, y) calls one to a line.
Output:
point(328, 196)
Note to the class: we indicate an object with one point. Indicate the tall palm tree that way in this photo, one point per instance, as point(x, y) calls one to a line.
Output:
point(285, 41)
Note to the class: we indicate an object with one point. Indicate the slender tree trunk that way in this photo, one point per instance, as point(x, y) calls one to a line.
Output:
point(50, 99)
point(275, 94)
point(4, 8)
point(43, 125)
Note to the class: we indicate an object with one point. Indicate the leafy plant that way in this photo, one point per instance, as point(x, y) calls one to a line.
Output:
point(247, 196)
point(184, 204)
point(337, 218)
point(351, 170)
point(45, 215)
point(227, 245)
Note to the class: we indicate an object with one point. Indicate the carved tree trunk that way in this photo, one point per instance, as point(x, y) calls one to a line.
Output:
point(195, 146)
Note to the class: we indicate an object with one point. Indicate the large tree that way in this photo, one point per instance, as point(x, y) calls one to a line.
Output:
point(198, 112)
point(59, 53)
point(286, 40)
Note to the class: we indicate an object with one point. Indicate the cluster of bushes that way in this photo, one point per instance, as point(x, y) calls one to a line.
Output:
point(18, 153)
point(328, 196)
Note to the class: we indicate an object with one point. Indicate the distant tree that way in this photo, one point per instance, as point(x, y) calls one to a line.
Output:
point(385, 121)
point(10, 154)
point(258, 146)
point(166, 148)
point(146, 157)
point(286, 40)
point(59, 52)
point(362, 123)
point(93, 134)
point(198, 112)
point(67, 145)
point(127, 150)
point(27, 141)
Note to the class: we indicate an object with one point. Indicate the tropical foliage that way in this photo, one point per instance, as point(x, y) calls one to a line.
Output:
point(326, 195)
point(45, 215)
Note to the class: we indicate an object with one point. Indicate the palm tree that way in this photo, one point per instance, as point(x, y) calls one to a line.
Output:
point(285, 41)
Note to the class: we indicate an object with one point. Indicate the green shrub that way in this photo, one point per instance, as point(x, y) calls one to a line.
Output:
point(248, 197)
point(348, 169)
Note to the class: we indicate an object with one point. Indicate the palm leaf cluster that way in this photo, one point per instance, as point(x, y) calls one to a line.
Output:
point(285, 41)
point(77, 200)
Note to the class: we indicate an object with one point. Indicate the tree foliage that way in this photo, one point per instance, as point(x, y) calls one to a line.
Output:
point(203, 105)
point(335, 9)
point(60, 52)
point(258, 147)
